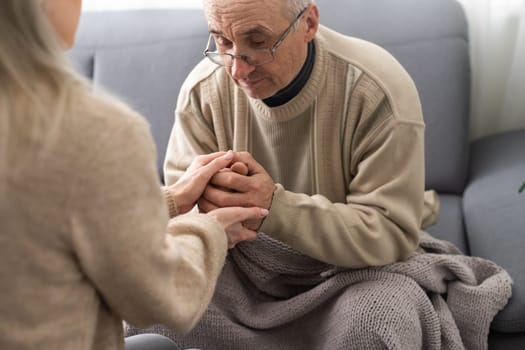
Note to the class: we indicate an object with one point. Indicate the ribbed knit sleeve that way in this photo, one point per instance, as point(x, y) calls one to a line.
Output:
point(119, 225)
point(380, 221)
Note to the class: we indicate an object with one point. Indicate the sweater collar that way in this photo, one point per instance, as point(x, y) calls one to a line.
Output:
point(290, 91)
point(305, 97)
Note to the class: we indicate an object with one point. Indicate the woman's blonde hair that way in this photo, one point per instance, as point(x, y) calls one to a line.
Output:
point(36, 78)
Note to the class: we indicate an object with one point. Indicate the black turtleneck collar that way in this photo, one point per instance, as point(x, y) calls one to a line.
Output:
point(290, 91)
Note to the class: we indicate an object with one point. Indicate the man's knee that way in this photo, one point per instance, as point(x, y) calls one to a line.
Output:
point(381, 314)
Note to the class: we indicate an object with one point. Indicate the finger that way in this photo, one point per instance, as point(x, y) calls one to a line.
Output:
point(204, 159)
point(232, 181)
point(234, 215)
point(248, 160)
point(205, 206)
point(253, 213)
point(250, 235)
point(243, 235)
point(253, 224)
point(201, 176)
point(225, 198)
point(239, 168)
point(214, 166)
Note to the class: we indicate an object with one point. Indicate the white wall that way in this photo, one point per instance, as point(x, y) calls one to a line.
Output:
point(105, 5)
point(497, 48)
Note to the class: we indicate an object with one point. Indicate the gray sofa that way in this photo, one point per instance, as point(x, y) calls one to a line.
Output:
point(143, 57)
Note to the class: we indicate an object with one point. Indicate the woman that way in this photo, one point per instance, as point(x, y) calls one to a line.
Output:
point(82, 216)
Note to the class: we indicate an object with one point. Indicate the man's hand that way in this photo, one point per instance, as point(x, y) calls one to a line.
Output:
point(245, 184)
point(193, 182)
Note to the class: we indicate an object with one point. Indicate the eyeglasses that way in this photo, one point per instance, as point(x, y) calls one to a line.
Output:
point(255, 57)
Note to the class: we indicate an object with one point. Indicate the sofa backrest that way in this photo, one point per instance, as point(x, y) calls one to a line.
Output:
point(143, 57)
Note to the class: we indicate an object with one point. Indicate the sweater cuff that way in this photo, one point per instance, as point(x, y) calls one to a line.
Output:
point(431, 209)
point(172, 206)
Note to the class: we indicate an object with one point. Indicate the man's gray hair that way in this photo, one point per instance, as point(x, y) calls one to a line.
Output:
point(296, 6)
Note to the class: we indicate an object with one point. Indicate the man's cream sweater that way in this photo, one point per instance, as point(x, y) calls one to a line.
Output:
point(83, 236)
point(347, 152)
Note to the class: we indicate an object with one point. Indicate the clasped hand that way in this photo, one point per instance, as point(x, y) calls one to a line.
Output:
point(244, 184)
point(231, 187)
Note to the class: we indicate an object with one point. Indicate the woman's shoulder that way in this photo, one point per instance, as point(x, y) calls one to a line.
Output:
point(99, 125)
point(104, 112)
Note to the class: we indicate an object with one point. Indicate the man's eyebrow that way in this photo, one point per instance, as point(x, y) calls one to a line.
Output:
point(256, 30)
point(251, 31)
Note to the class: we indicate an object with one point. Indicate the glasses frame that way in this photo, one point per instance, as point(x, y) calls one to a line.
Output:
point(246, 56)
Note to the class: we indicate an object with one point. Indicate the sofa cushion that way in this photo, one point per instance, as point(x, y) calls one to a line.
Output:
point(495, 215)
point(450, 225)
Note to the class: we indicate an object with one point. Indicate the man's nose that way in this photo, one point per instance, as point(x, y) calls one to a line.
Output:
point(240, 69)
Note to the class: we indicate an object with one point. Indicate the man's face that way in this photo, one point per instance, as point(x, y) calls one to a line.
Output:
point(239, 26)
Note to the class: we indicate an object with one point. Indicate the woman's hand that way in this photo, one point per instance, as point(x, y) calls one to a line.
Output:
point(231, 219)
point(191, 185)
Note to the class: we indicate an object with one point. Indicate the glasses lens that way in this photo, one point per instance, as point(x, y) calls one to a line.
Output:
point(254, 58)
point(258, 57)
point(220, 59)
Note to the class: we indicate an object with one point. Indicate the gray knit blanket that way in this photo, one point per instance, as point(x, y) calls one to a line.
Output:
point(270, 296)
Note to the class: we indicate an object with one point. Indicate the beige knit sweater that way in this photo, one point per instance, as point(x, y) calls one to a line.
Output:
point(347, 152)
point(83, 237)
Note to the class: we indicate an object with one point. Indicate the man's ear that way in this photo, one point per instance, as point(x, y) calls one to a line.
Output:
point(312, 22)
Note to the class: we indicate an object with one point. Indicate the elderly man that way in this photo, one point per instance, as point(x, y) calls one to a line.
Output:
point(333, 127)
point(329, 136)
